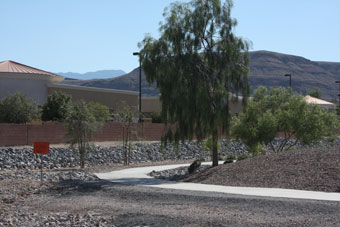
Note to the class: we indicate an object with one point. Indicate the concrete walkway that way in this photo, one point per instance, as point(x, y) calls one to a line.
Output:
point(138, 176)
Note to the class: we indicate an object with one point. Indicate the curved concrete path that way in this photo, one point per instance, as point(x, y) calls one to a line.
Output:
point(138, 176)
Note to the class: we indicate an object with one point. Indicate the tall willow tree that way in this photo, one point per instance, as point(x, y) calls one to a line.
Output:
point(197, 63)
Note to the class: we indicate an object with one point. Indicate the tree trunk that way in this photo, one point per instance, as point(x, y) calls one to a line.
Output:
point(214, 151)
point(82, 158)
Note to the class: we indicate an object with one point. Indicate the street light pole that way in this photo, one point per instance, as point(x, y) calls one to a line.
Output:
point(140, 87)
point(290, 79)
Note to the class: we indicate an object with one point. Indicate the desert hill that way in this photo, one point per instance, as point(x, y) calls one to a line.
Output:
point(266, 68)
point(101, 74)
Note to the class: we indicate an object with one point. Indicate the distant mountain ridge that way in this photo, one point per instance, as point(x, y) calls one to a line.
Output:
point(266, 69)
point(101, 74)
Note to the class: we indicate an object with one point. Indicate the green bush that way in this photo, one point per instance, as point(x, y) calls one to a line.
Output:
point(242, 157)
point(281, 111)
point(230, 158)
point(82, 125)
point(56, 107)
point(316, 93)
point(207, 144)
point(156, 117)
point(17, 108)
point(100, 112)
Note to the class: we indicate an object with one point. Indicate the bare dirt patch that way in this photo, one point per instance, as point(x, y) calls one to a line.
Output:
point(308, 169)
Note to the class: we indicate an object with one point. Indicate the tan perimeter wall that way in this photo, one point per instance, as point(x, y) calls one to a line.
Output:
point(107, 97)
point(150, 105)
point(56, 132)
point(153, 104)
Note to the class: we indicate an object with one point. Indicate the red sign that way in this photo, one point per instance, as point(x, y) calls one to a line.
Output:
point(41, 147)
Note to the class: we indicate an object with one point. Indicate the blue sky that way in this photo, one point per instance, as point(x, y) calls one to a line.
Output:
point(88, 35)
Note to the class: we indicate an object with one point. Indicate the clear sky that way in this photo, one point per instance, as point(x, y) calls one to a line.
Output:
point(90, 35)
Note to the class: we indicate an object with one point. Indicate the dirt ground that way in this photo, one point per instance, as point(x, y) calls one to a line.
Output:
point(99, 203)
point(315, 169)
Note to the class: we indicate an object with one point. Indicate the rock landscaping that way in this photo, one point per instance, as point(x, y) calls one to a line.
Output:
point(23, 158)
point(57, 219)
point(16, 186)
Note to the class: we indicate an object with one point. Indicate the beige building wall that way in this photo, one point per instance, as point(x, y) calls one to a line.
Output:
point(150, 104)
point(32, 85)
point(108, 97)
point(153, 104)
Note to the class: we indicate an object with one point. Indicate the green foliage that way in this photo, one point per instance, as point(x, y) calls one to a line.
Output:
point(81, 127)
point(196, 63)
point(17, 108)
point(279, 110)
point(207, 144)
point(316, 93)
point(230, 158)
point(56, 107)
point(100, 112)
point(124, 114)
point(156, 117)
point(242, 157)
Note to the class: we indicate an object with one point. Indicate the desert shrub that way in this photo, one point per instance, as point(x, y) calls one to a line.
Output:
point(156, 117)
point(17, 108)
point(56, 107)
point(316, 93)
point(207, 144)
point(100, 112)
point(230, 158)
point(82, 125)
point(242, 157)
point(281, 111)
point(124, 114)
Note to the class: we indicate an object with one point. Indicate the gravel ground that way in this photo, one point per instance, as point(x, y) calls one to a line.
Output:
point(77, 198)
point(73, 197)
point(99, 203)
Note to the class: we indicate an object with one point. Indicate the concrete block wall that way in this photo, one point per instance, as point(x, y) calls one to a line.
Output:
point(56, 132)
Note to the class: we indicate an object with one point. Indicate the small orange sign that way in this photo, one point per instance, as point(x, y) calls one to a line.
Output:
point(41, 147)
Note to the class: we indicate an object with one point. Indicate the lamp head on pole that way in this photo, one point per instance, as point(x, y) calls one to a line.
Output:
point(135, 53)
point(288, 74)
point(337, 82)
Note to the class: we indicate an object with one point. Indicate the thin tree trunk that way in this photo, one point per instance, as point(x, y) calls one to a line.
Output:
point(214, 151)
point(124, 147)
point(82, 156)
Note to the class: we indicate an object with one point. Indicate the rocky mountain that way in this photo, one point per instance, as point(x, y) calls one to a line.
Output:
point(101, 74)
point(128, 81)
point(266, 68)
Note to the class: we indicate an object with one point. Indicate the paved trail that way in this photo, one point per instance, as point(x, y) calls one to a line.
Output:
point(138, 176)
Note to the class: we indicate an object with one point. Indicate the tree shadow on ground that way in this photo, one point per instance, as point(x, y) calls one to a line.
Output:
point(79, 187)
